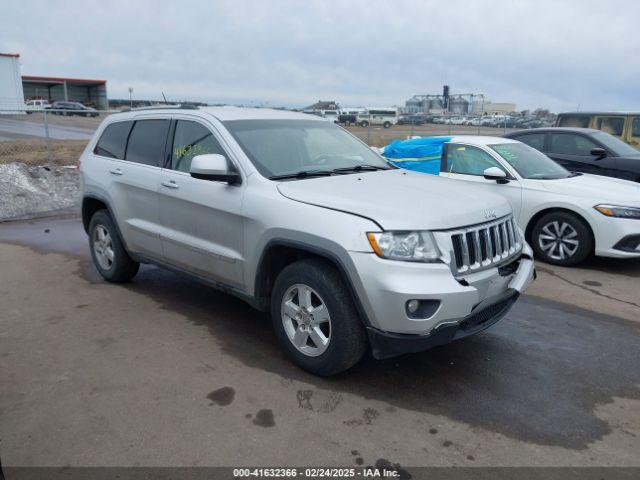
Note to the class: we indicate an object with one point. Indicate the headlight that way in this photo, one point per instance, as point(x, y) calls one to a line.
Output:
point(407, 246)
point(619, 212)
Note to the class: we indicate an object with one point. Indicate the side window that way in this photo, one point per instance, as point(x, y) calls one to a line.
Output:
point(147, 141)
point(635, 130)
point(581, 121)
point(570, 144)
point(113, 141)
point(612, 125)
point(535, 140)
point(469, 160)
point(189, 140)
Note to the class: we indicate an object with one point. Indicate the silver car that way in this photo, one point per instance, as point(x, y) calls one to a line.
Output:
point(300, 218)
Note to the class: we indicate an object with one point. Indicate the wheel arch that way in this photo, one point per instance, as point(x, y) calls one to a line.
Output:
point(541, 213)
point(93, 203)
point(279, 253)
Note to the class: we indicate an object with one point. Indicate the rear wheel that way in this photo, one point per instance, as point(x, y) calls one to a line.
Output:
point(561, 238)
point(315, 319)
point(109, 255)
point(364, 123)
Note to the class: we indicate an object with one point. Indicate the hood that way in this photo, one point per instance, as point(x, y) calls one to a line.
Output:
point(400, 199)
point(597, 188)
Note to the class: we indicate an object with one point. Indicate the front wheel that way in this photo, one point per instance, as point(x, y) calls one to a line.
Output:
point(315, 319)
point(386, 124)
point(109, 255)
point(561, 238)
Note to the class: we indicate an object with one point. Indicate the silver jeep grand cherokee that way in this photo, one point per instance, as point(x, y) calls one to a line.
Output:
point(297, 216)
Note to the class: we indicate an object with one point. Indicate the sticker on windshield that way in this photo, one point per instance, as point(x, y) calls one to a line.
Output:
point(505, 152)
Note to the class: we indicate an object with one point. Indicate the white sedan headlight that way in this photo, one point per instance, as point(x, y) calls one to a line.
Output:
point(619, 212)
point(417, 246)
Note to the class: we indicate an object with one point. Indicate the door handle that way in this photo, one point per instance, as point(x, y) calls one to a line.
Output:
point(116, 171)
point(170, 184)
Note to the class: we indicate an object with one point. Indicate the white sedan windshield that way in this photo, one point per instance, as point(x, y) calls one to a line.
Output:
point(529, 162)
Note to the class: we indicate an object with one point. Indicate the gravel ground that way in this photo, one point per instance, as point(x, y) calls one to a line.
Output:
point(27, 190)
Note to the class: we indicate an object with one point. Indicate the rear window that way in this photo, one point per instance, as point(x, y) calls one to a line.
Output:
point(580, 121)
point(147, 142)
point(113, 141)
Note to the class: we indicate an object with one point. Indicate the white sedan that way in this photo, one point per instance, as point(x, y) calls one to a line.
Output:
point(565, 216)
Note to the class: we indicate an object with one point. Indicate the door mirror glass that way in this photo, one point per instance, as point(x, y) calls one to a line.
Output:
point(495, 173)
point(212, 166)
point(598, 152)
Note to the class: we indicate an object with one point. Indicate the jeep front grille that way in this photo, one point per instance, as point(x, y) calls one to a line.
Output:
point(486, 245)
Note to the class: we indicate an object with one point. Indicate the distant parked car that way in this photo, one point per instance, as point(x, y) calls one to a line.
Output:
point(38, 105)
point(73, 108)
point(584, 150)
point(412, 119)
point(625, 126)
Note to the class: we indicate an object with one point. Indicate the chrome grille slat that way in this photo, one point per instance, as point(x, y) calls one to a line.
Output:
point(486, 245)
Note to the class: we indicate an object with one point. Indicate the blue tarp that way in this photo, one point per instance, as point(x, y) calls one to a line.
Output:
point(418, 154)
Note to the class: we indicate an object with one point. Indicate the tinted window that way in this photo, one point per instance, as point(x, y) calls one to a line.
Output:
point(469, 160)
point(113, 141)
point(189, 140)
point(612, 125)
point(581, 121)
point(535, 140)
point(570, 144)
point(147, 142)
point(635, 127)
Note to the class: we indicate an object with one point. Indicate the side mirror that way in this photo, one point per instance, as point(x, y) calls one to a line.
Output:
point(495, 173)
point(598, 152)
point(214, 167)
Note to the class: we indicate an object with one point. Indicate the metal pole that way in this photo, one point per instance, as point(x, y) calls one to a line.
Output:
point(47, 137)
point(369, 131)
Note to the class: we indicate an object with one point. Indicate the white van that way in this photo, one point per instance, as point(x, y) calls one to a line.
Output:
point(378, 116)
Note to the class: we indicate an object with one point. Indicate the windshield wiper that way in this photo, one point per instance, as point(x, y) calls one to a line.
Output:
point(359, 168)
point(303, 174)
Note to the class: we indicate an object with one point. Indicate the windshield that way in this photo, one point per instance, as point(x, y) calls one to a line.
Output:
point(283, 147)
point(614, 144)
point(529, 162)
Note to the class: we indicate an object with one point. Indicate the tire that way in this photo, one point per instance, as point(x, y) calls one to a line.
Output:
point(122, 267)
point(386, 124)
point(346, 340)
point(561, 238)
point(364, 123)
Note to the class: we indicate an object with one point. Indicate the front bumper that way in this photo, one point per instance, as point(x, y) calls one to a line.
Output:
point(612, 234)
point(463, 302)
point(387, 345)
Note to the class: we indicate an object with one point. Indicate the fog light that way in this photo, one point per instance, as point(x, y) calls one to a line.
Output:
point(421, 309)
point(412, 306)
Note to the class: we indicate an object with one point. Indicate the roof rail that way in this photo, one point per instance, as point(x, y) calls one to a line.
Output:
point(182, 106)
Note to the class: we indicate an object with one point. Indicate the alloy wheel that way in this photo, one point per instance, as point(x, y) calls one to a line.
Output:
point(103, 247)
point(558, 240)
point(306, 320)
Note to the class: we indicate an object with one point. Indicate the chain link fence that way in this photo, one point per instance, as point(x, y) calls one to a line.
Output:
point(54, 137)
point(58, 137)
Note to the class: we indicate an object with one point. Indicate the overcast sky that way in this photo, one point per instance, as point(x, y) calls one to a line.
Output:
point(553, 54)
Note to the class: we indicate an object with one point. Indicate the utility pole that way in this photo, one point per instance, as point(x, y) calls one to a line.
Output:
point(131, 97)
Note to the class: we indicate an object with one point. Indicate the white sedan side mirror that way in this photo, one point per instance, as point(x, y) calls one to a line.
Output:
point(495, 173)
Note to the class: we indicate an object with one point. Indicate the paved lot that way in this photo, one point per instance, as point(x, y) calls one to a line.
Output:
point(30, 126)
point(165, 371)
